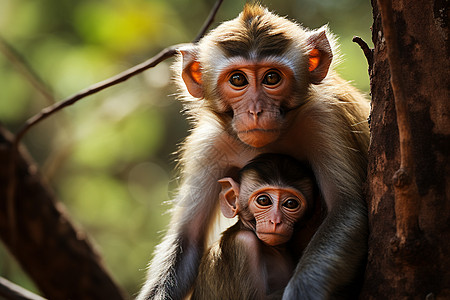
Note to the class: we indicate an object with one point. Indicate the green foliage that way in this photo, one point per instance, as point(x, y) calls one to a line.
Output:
point(124, 27)
point(10, 110)
point(109, 157)
point(124, 140)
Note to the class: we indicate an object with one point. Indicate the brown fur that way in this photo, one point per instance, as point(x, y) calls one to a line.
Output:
point(257, 35)
point(225, 271)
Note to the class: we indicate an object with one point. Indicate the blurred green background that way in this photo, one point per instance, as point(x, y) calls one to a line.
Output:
point(110, 157)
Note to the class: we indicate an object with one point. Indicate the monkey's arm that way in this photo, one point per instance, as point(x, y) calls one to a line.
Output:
point(173, 269)
point(335, 255)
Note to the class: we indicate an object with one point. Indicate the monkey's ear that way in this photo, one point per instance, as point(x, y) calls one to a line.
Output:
point(229, 197)
point(320, 56)
point(191, 74)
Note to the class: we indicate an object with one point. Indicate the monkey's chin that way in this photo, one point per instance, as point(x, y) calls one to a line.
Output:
point(272, 239)
point(258, 138)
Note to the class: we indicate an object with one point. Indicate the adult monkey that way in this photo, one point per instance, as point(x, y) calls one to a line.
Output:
point(260, 83)
point(278, 206)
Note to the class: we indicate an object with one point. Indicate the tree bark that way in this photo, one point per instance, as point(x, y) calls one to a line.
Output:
point(57, 256)
point(410, 261)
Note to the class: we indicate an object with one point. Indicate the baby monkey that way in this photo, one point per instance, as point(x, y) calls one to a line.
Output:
point(277, 204)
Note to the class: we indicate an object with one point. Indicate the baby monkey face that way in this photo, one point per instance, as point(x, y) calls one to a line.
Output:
point(276, 210)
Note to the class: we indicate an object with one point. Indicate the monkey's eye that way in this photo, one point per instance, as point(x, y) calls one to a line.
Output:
point(272, 78)
point(238, 79)
point(264, 200)
point(291, 203)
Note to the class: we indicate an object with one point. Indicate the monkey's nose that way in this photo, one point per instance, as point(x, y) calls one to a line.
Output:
point(255, 113)
point(275, 222)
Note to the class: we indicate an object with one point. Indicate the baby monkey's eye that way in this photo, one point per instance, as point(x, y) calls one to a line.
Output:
point(291, 203)
point(272, 78)
point(238, 79)
point(263, 200)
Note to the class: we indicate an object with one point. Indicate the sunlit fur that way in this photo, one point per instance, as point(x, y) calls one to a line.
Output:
point(328, 129)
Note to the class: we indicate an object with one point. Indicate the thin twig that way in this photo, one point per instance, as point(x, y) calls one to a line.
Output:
point(209, 20)
point(50, 110)
point(26, 70)
point(95, 88)
point(150, 63)
point(368, 53)
point(406, 191)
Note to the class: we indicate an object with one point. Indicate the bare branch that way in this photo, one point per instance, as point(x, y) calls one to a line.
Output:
point(368, 53)
point(48, 111)
point(208, 21)
point(150, 63)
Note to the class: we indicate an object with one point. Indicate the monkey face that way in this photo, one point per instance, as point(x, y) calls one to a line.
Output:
point(276, 210)
point(258, 94)
point(251, 74)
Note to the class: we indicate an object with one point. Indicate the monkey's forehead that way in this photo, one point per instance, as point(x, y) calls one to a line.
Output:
point(252, 181)
point(255, 30)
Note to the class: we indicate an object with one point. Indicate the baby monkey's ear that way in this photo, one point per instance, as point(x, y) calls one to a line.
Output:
point(229, 196)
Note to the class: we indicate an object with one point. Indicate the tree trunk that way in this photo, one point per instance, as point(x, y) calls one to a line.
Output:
point(57, 256)
point(411, 261)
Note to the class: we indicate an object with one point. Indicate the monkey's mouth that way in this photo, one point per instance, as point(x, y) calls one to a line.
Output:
point(258, 137)
point(274, 234)
point(258, 130)
point(273, 238)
